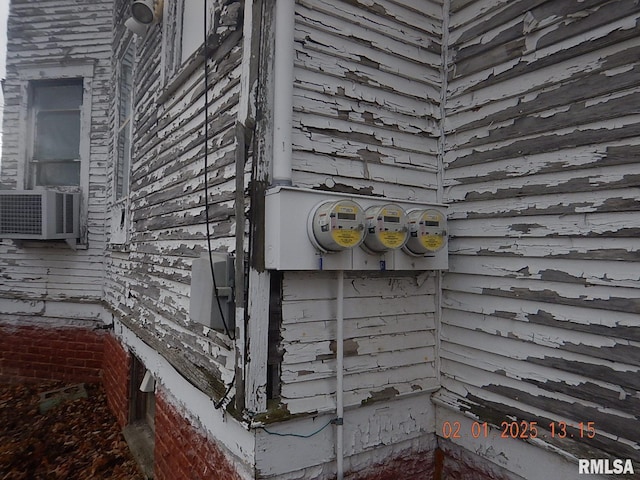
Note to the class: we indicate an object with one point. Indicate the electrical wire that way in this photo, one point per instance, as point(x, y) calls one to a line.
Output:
point(298, 435)
point(206, 169)
point(218, 405)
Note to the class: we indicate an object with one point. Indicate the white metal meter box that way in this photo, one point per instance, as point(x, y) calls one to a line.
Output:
point(39, 215)
point(203, 305)
point(315, 230)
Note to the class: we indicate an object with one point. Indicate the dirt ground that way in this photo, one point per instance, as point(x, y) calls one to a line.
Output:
point(77, 439)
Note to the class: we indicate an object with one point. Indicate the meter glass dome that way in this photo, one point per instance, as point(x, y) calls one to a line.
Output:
point(386, 228)
point(337, 225)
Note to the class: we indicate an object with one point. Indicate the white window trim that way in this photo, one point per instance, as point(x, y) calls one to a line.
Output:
point(119, 233)
point(173, 70)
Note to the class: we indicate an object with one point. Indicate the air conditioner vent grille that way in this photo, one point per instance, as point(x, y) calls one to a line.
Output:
point(21, 214)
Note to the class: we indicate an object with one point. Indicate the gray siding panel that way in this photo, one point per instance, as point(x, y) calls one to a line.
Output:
point(149, 282)
point(542, 299)
point(366, 97)
point(77, 32)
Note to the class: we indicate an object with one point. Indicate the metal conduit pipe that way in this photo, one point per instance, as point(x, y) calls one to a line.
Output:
point(283, 92)
point(340, 376)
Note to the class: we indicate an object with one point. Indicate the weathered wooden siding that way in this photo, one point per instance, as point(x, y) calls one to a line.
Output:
point(148, 281)
point(367, 88)
point(542, 300)
point(41, 36)
point(389, 335)
point(367, 96)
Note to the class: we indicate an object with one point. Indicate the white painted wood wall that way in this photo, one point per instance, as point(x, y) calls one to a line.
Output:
point(366, 119)
point(367, 97)
point(42, 36)
point(541, 305)
point(148, 281)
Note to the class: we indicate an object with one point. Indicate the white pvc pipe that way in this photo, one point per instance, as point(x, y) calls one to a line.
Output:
point(339, 376)
point(283, 91)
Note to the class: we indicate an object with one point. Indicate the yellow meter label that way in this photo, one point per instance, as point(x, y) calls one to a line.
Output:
point(346, 238)
point(432, 242)
point(392, 239)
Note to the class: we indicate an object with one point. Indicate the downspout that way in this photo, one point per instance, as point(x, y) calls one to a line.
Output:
point(441, 171)
point(340, 376)
point(283, 92)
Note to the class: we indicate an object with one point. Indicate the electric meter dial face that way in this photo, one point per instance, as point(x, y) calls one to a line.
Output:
point(427, 232)
point(338, 225)
point(387, 228)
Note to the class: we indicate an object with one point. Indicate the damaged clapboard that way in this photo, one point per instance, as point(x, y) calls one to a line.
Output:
point(53, 398)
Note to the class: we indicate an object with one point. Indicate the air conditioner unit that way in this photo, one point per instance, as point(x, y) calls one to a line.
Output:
point(39, 215)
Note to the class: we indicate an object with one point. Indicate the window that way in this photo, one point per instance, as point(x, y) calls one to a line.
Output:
point(183, 35)
point(56, 115)
point(139, 433)
point(124, 121)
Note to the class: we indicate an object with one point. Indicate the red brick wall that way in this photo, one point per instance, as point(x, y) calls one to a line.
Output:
point(68, 354)
point(115, 378)
point(455, 463)
point(413, 465)
point(181, 451)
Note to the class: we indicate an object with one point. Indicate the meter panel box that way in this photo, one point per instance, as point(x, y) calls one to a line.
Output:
point(203, 307)
point(290, 243)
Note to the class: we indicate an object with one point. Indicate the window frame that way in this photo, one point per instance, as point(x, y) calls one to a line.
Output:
point(35, 110)
point(119, 233)
point(175, 69)
point(120, 126)
point(28, 76)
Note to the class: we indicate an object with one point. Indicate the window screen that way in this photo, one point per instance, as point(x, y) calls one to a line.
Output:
point(56, 132)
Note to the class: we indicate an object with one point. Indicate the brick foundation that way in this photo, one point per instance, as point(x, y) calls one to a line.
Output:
point(183, 452)
point(455, 463)
point(115, 378)
point(413, 465)
point(70, 354)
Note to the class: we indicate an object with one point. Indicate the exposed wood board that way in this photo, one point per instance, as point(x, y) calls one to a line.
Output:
point(622, 299)
point(570, 317)
point(346, 40)
point(313, 310)
point(544, 410)
point(472, 91)
point(594, 272)
point(317, 286)
point(591, 339)
point(302, 372)
point(508, 351)
point(545, 199)
point(341, 107)
point(547, 25)
point(398, 22)
point(610, 249)
point(597, 83)
point(577, 225)
point(367, 172)
point(296, 352)
point(346, 94)
point(367, 383)
point(326, 182)
point(592, 156)
point(487, 374)
point(595, 109)
point(321, 64)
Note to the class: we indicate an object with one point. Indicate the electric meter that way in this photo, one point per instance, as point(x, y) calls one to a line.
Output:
point(427, 232)
point(337, 225)
point(386, 227)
